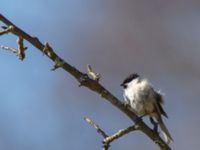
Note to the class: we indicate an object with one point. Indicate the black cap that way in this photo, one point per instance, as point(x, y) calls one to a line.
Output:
point(129, 79)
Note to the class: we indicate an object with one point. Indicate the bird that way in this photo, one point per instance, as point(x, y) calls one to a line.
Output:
point(144, 100)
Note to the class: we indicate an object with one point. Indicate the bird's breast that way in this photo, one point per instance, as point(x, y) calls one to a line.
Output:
point(140, 99)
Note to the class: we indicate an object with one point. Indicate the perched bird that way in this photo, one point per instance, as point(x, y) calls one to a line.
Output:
point(145, 101)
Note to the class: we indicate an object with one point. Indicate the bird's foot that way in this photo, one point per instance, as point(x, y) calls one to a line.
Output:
point(126, 104)
point(155, 124)
point(138, 119)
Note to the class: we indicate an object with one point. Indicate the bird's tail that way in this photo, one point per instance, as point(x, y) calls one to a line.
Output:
point(168, 138)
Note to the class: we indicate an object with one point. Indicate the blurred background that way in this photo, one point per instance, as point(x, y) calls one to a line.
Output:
point(41, 109)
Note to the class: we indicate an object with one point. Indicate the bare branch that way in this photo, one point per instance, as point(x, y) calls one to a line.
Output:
point(100, 131)
point(93, 85)
point(14, 50)
point(120, 133)
point(108, 139)
point(21, 49)
point(94, 125)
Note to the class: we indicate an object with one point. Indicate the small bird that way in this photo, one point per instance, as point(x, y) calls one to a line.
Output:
point(140, 95)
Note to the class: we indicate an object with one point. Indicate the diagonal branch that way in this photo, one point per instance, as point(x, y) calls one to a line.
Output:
point(93, 85)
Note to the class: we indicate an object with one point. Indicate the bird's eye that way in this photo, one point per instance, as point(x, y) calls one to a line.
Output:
point(123, 85)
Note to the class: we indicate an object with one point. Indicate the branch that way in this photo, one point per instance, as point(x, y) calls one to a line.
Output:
point(94, 125)
point(6, 30)
point(108, 139)
point(100, 131)
point(21, 48)
point(93, 85)
point(14, 50)
point(120, 133)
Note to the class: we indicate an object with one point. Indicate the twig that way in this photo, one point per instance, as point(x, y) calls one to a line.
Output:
point(47, 49)
point(6, 30)
point(100, 131)
point(108, 139)
point(21, 48)
point(50, 53)
point(90, 72)
point(58, 63)
point(91, 84)
point(120, 133)
point(94, 125)
point(14, 50)
point(20, 53)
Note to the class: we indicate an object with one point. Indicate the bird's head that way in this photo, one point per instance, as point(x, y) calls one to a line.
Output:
point(128, 79)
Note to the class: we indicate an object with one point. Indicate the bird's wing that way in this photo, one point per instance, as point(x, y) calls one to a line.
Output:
point(162, 110)
point(159, 101)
